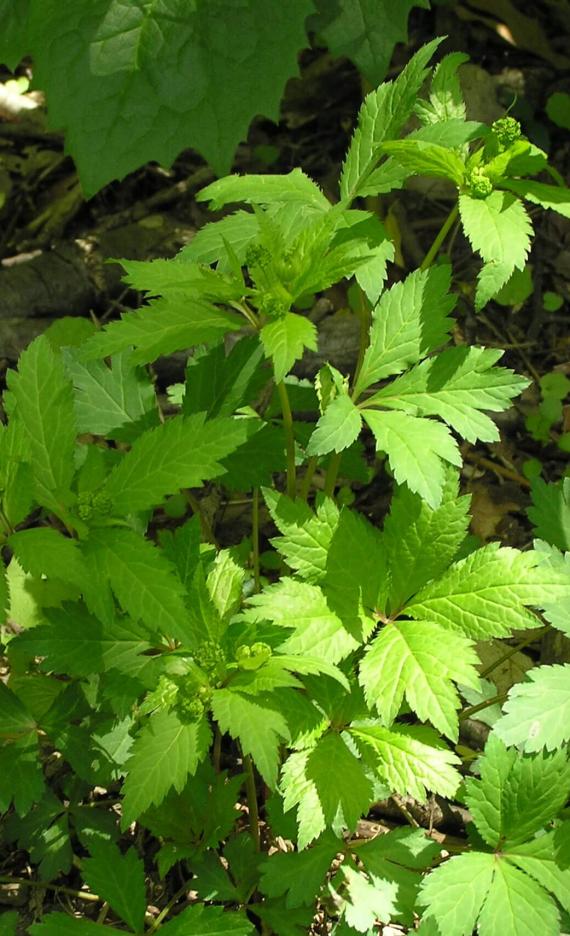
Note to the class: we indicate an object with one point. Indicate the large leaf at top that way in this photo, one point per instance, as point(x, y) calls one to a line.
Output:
point(44, 399)
point(487, 594)
point(458, 385)
point(537, 712)
point(366, 31)
point(382, 117)
point(410, 320)
point(499, 229)
point(164, 755)
point(133, 82)
point(181, 453)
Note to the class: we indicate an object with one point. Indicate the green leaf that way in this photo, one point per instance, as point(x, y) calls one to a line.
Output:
point(370, 900)
point(445, 96)
point(303, 608)
point(516, 906)
point(516, 795)
point(422, 542)
point(295, 187)
point(200, 920)
point(555, 197)
point(338, 427)
point(299, 875)
point(410, 760)
point(537, 712)
point(455, 892)
point(14, 42)
point(365, 31)
point(419, 661)
point(162, 327)
point(144, 582)
point(306, 536)
point(410, 320)
point(44, 399)
point(60, 924)
point(164, 755)
point(189, 87)
point(45, 551)
point(486, 594)
point(8, 923)
point(218, 385)
point(382, 117)
point(15, 720)
point(21, 776)
point(550, 512)
point(109, 398)
point(285, 339)
point(328, 786)
point(260, 729)
point(457, 385)
point(542, 859)
point(208, 245)
point(257, 459)
point(356, 576)
point(417, 450)
point(419, 157)
point(499, 229)
point(118, 879)
point(76, 644)
point(178, 454)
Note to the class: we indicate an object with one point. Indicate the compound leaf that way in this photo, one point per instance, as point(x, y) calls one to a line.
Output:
point(118, 879)
point(306, 536)
point(260, 729)
point(338, 427)
point(555, 197)
point(285, 339)
point(455, 892)
point(537, 712)
point(550, 512)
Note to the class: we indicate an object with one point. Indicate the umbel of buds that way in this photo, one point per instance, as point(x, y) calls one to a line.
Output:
point(479, 185)
point(506, 131)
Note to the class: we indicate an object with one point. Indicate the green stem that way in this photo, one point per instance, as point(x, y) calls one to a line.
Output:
point(217, 753)
point(207, 531)
point(365, 321)
point(472, 709)
point(58, 888)
point(289, 439)
point(332, 473)
point(166, 910)
point(309, 473)
point(252, 801)
point(512, 650)
point(255, 538)
point(442, 234)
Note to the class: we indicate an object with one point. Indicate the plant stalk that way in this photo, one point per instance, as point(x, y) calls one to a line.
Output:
point(289, 439)
point(251, 793)
point(332, 473)
point(441, 235)
point(472, 709)
point(255, 538)
point(512, 650)
point(308, 477)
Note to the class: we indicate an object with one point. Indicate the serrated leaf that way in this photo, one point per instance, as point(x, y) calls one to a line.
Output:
point(417, 450)
point(542, 860)
point(556, 605)
point(144, 582)
point(8, 923)
point(410, 760)
point(21, 776)
point(455, 892)
point(118, 879)
point(306, 536)
point(162, 327)
point(370, 900)
point(178, 454)
point(420, 661)
point(218, 385)
point(225, 582)
point(555, 197)
point(457, 385)
point(303, 608)
point(45, 551)
point(189, 87)
point(328, 786)
point(419, 157)
point(337, 428)
point(356, 582)
point(60, 924)
point(295, 187)
point(499, 229)
point(165, 753)
point(260, 729)
point(487, 594)
point(299, 875)
point(201, 920)
point(285, 339)
point(254, 462)
point(445, 96)
point(410, 320)
point(381, 117)
point(108, 398)
point(44, 399)
point(516, 906)
point(15, 720)
point(208, 245)
point(536, 714)
point(421, 542)
point(550, 512)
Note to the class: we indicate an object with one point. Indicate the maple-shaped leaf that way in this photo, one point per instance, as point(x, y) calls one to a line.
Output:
point(306, 535)
point(499, 229)
point(258, 726)
point(418, 660)
point(410, 320)
point(487, 594)
point(420, 541)
point(165, 753)
point(328, 786)
point(411, 760)
point(118, 879)
point(458, 386)
point(537, 712)
point(178, 454)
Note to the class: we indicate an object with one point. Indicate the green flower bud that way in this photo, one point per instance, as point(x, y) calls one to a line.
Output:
point(252, 658)
point(189, 709)
point(479, 185)
point(211, 658)
point(507, 131)
point(257, 255)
